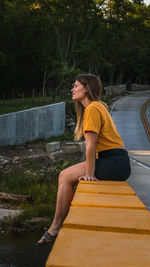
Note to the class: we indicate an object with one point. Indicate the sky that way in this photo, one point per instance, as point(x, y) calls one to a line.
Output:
point(147, 2)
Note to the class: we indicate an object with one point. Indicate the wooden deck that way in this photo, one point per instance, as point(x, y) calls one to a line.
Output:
point(107, 225)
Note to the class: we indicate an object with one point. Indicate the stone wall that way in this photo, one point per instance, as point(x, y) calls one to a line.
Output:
point(115, 90)
point(119, 89)
point(139, 87)
point(27, 125)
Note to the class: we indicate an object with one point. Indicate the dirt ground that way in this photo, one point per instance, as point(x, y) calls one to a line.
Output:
point(12, 156)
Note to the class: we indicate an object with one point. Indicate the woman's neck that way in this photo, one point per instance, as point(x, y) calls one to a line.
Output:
point(85, 102)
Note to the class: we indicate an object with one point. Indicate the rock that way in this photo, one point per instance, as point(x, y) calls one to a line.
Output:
point(139, 87)
point(2, 157)
point(73, 147)
point(82, 146)
point(70, 124)
point(15, 159)
point(36, 219)
point(4, 160)
point(52, 146)
point(70, 149)
point(115, 90)
point(8, 212)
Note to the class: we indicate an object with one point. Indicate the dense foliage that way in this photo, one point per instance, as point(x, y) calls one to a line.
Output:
point(44, 44)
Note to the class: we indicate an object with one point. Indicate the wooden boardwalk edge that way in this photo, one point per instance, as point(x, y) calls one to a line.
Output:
point(120, 222)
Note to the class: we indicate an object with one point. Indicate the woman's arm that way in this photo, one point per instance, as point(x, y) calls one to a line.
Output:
point(91, 139)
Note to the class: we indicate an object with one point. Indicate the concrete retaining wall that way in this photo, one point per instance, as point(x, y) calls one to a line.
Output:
point(27, 125)
point(139, 87)
point(118, 89)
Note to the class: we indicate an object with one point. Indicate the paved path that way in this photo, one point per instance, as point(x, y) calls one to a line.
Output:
point(126, 115)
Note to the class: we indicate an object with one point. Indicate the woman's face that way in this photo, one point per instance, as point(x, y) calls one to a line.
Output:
point(78, 91)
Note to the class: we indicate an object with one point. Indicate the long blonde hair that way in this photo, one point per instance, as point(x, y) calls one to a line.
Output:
point(93, 85)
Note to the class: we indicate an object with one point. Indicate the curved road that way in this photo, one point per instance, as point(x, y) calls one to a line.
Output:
point(126, 115)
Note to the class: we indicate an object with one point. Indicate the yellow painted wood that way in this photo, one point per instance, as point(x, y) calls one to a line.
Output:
point(79, 248)
point(104, 219)
point(107, 201)
point(105, 189)
point(105, 182)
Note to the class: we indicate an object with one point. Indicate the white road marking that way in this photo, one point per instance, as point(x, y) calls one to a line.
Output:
point(140, 163)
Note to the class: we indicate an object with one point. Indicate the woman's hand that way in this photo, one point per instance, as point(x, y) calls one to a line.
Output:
point(87, 178)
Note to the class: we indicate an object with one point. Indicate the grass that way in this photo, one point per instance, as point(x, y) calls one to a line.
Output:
point(17, 104)
point(29, 183)
point(67, 136)
point(27, 180)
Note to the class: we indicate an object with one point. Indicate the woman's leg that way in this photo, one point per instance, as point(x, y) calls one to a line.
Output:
point(67, 179)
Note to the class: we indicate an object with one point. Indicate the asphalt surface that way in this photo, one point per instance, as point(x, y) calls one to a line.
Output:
point(126, 115)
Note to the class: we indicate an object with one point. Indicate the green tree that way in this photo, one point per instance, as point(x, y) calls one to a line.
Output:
point(53, 39)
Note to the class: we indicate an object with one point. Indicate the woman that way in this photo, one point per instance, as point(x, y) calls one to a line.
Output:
point(106, 157)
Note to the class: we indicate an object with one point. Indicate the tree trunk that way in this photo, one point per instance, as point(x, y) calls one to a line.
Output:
point(44, 82)
point(120, 76)
point(111, 76)
point(67, 48)
point(145, 79)
point(13, 197)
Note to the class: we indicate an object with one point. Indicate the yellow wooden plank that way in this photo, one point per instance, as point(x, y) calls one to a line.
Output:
point(104, 219)
point(105, 189)
point(107, 201)
point(79, 248)
point(105, 182)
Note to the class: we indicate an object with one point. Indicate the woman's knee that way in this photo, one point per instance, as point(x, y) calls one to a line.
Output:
point(62, 177)
point(65, 177)
point(71, 174)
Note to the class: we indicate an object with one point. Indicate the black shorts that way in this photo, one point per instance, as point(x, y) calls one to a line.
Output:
point(113, 164)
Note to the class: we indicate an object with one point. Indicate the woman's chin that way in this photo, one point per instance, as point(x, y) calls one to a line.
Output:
point(75, 98)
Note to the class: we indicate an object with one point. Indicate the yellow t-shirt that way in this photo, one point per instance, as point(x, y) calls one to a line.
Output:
point(97, 119)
